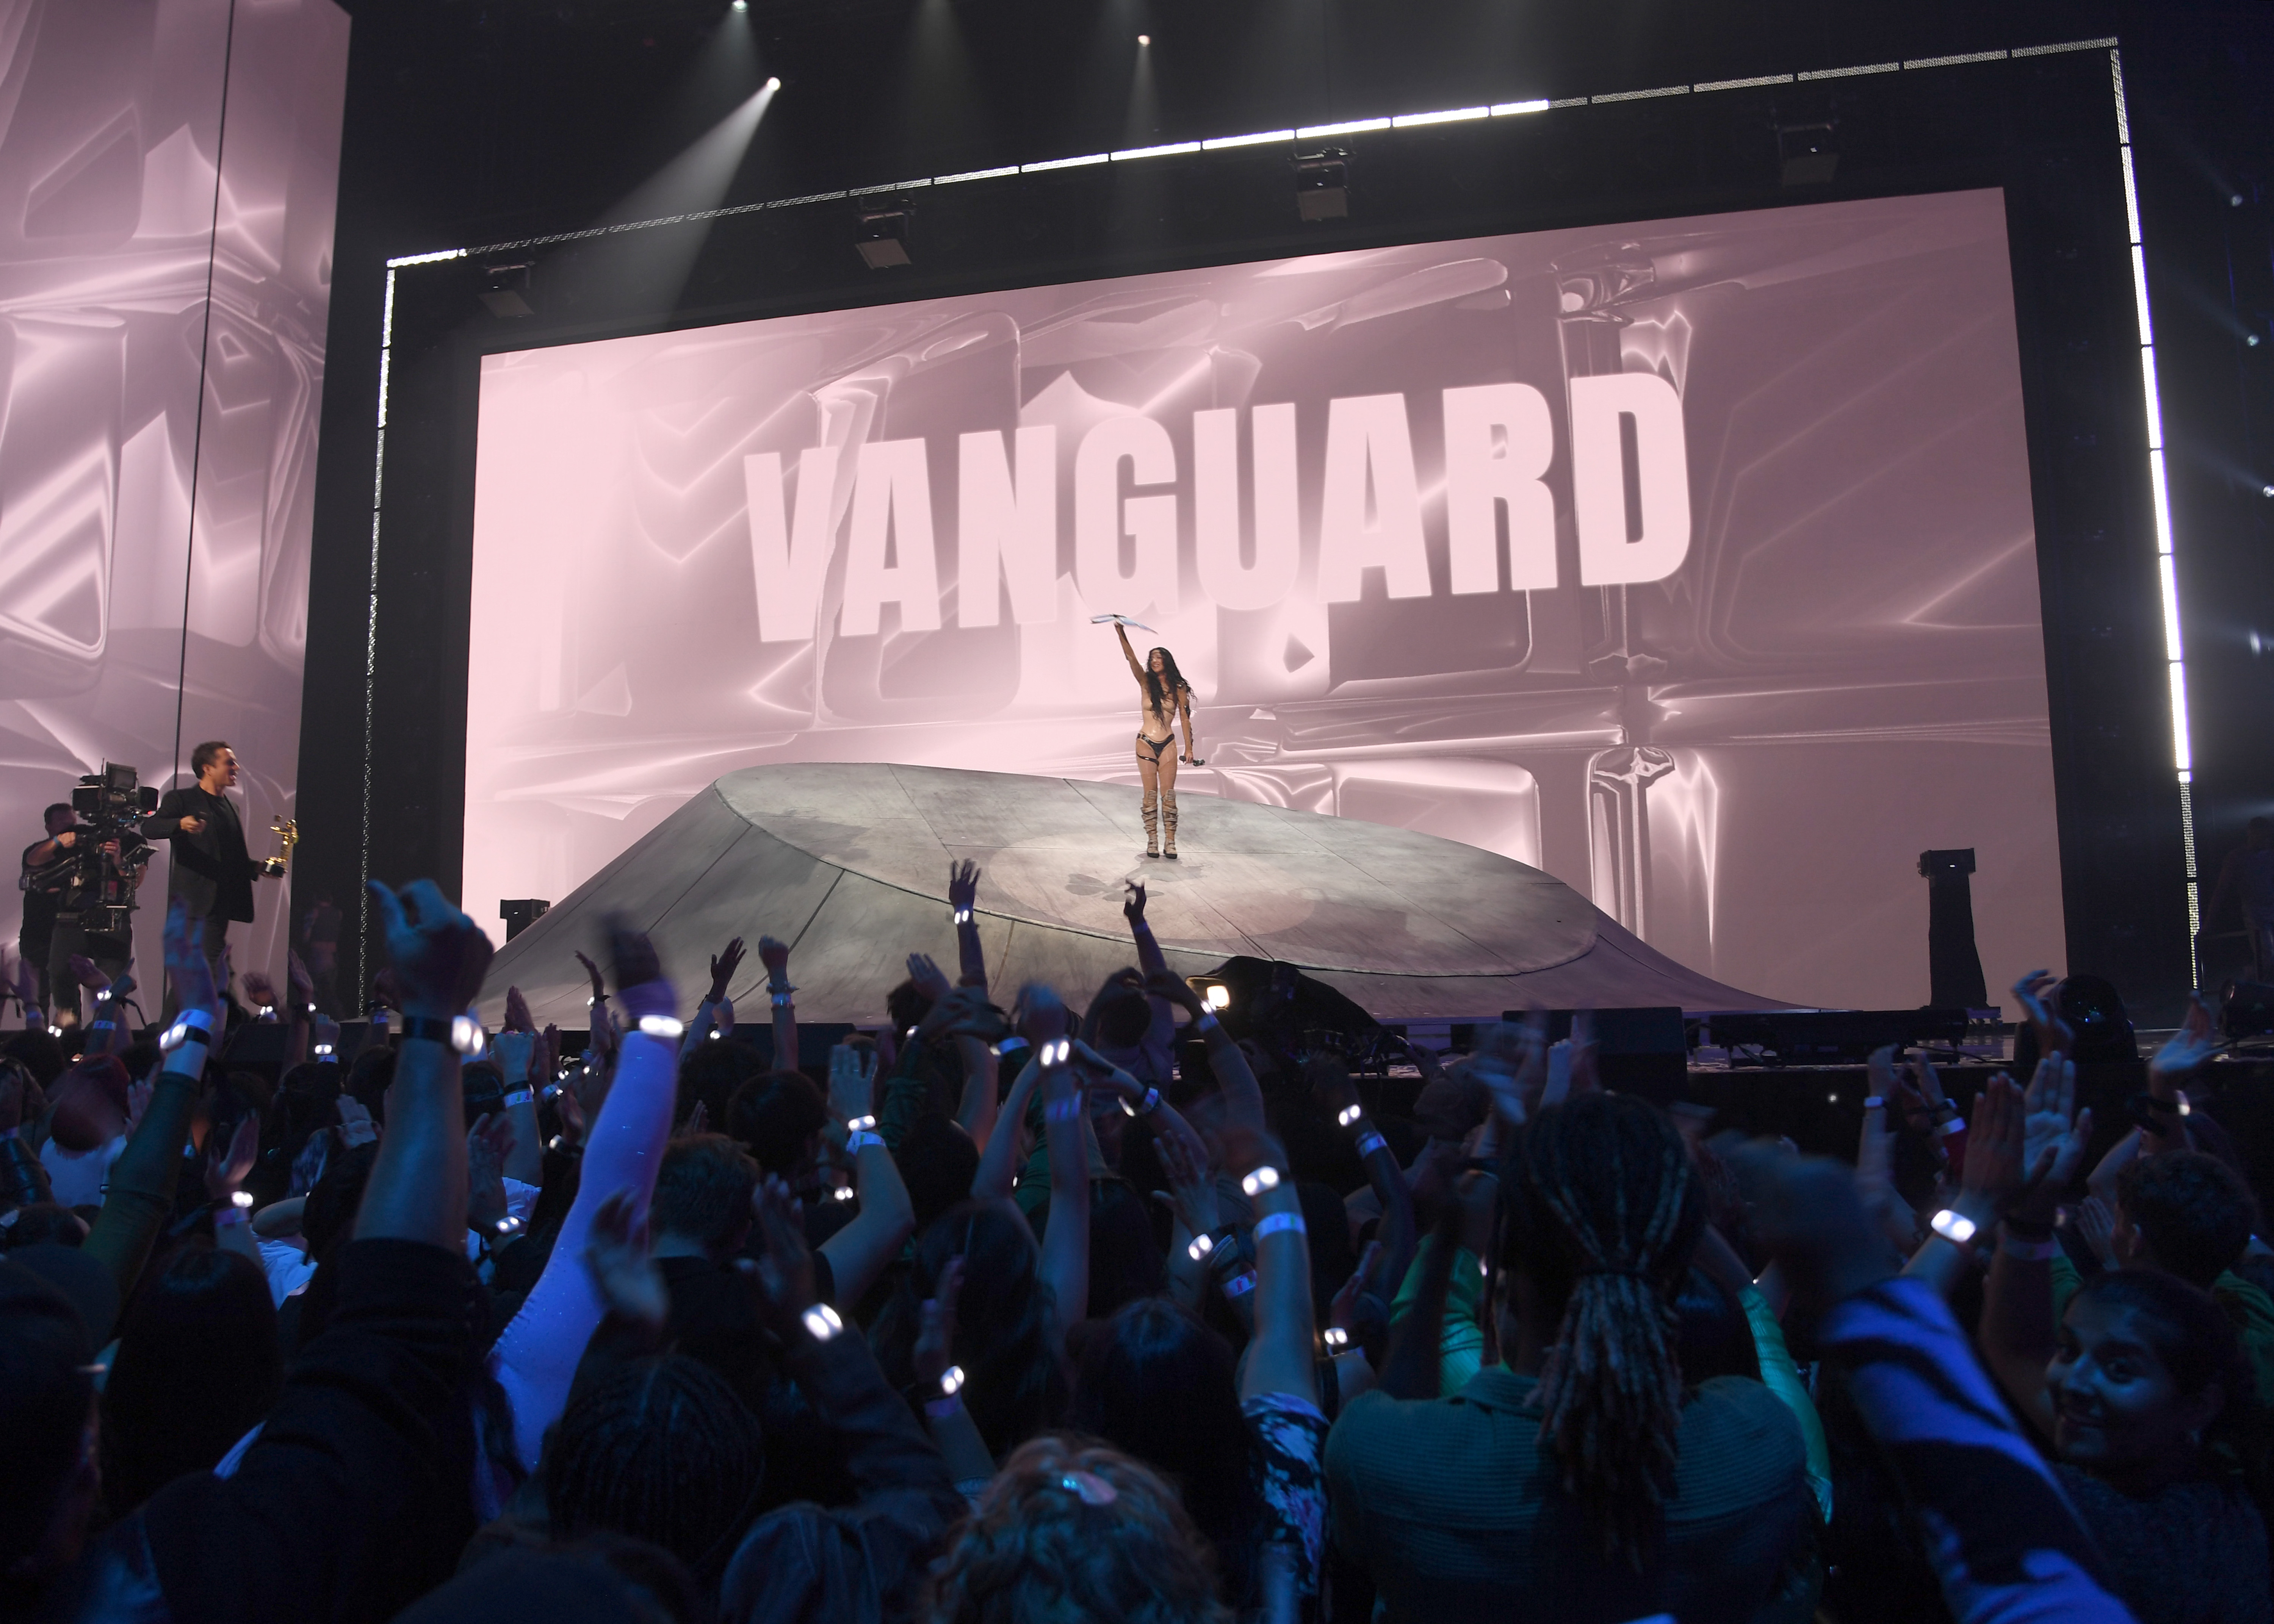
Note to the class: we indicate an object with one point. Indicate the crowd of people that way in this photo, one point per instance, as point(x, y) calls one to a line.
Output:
point(1017, 1311)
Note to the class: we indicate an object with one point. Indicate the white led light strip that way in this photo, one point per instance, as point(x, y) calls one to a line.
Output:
point(2167, 581)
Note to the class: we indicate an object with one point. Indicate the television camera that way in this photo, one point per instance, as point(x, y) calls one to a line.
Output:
point(111, 853)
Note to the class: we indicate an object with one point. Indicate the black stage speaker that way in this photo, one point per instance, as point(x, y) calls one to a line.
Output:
point(1953, 967)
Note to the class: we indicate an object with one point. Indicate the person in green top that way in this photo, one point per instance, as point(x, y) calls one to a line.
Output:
point(1581, 1477)
point(2189, 1214)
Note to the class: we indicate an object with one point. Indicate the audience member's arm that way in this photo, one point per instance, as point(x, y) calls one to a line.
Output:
point(1192, 1189)
point(963, 901)
point(23, 1180)
point(1243, 1097)
point(1416, 1338)
point(1066, 1238)
point(1779, 1374)
point(999, 1158)
point(225, 1172)
point(940, 1382)
point(906, 1498)
point(2002, 1538)
point(1282, 1358)
point(859, 1252)
point(976, 1114)
point(2185, 1053)
point(140, 1194)
point(515, 1049)
point(536, 1356)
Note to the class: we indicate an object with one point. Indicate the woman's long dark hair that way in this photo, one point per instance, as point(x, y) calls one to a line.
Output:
point(1015, 1386)
point(1603, 1212)
point(1162, 685)
point(1158, 1384)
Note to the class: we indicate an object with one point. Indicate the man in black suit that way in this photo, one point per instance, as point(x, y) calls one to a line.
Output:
point(211, 870)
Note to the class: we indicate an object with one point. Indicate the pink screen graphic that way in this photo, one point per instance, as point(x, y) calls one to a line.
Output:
point(1691, 561)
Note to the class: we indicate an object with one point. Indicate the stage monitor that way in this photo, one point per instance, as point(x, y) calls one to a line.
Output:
point(1690, 560)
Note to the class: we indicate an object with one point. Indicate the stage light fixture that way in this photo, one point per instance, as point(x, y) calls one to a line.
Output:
point(741, 5)
point(774, 83)
point(1147, 38)
point(505, 288)
point(1322, 185)
point(1807, 154)
point(883, 237)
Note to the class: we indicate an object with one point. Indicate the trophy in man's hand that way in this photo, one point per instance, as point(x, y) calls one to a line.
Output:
point(288, 832)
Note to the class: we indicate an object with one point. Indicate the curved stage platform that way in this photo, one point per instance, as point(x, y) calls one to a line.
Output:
point(848, 863)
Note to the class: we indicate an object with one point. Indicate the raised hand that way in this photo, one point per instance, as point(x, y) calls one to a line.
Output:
point(517, 1017)
point(2181, 1057)
point(616, 1258)
point(138, 1100)
point(963, 885)
point(1342, 1313)
point(261, 989)
point(2032, 992)
point(325, 1031)
point(87, 974)
point(2097, 1224)
point(631, 955)
point(929, 978)
point(1994, 1173)
point(387, 988)
point(572, 1115)
point(729, 959)
point(599, 985)
point(2054, 1134)
point(783, 1273)
point(696, 1122)
point(775, 956)
point(1132, 902)
point(1185, 1161)
point(225, 1169)
point(439, 954)
point(935, 1348)
point(1041, 1014)
point(852, 1082)
point(297, 977)
point(356, 1125)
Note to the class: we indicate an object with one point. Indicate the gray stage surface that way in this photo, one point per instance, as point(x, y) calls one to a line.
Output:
point(848, 863)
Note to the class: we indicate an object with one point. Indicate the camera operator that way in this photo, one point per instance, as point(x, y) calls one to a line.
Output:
point(211, 871)
point(89, 877)
point(46, 874)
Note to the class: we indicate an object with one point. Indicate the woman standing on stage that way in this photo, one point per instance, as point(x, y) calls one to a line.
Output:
point(1163, 697)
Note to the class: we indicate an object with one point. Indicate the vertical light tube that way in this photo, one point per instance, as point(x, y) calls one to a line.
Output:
point(2160, 495)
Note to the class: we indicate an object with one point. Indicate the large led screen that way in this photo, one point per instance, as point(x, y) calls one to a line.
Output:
point(1690, 560)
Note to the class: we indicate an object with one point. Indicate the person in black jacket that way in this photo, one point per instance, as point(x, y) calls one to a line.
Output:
point(211, 871)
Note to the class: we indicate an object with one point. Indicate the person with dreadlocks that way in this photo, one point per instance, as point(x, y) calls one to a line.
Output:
point(1162, 697)
point(1580, 1478)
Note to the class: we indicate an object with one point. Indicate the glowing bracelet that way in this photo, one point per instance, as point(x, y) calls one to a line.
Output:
point(821, 1322)
point(1953, 1227)
point(1208, 1022)
point(520, 1096)
point(855, 1124)
point(1277, 1221)
point(949, 1399)
point(1369, 1141)
point(191, 1025)
point(859, 1142)
point(1875, 1102)
point(1240, 1284)
point(1349, 1114)
point(1201, 1246)
point(1262, 1178)
point(1144, 1107)
point(668, 1027)
point(1334, 1336)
